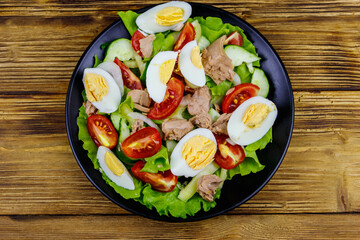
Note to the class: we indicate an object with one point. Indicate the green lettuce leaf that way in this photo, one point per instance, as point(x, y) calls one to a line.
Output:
point(88, 143)
point(125, 193)
point(129, 18)
point(157, 162)
point(244, 73)
point(221, 89)
point(83, 94)
point(162, 42)
point(97, 61)
point(169, 204)
point(261, 143)
point(251, 164)
point(218, 91)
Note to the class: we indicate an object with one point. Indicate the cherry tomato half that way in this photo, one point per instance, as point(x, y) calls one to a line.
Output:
point(161, 181)
point(142, 144)
point(187, 34)
point(131, 81)
point(172, 99)
point(228, 156)
point(237, 95)
point(101, 131)
point(234, 38)
point(135, 42)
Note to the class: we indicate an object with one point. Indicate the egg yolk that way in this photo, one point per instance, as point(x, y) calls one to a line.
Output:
point(96, 87)
point(113, 164)
point(195, 57)
point(255, 114)
point(169, 16)
point(198, 152)
point(165, 70)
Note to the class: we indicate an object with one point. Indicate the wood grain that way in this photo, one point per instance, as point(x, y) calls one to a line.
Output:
point(314, 194)
point(313, 226)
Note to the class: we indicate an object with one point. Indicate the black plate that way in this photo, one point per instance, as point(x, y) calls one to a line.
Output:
point(239, 189)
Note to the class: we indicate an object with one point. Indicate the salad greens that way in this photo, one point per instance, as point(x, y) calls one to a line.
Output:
point(169, 203)
point(157, 162)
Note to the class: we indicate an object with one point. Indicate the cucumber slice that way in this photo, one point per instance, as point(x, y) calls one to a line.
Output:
point(259, 78)
point(120, 48)
point(223, 176)
point(203, 43)
point(115, 119)
point(130, 63)
point(190, 189)
point(124, 130)
point(213, 114)
point(197, 29)
point(170, 145)
point(238, 55)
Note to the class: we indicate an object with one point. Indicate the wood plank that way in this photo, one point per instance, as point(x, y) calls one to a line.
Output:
point(39, 174)
point(318, 53)
point(313, 226)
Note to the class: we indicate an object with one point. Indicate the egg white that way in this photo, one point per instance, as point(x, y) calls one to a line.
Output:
point(195, 77)
point(115, 72)
point(147, 23)
point(178, 165)
point(125, 180)
point(111, 101)
point(155, 87)
point(243, 135)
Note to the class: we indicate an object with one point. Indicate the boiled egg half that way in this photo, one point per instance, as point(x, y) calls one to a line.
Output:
point(251, 120)
point(158, 74)
point(115, 72)
point(101, 89)
point(190, 65)
point(114, 168)
point(194, 151)
point(164, 17)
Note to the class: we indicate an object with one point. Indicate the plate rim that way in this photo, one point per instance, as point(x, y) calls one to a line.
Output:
point(164, 217)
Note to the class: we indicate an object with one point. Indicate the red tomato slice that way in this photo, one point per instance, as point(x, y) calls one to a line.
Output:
point(101, 131)
point(172, 99)
point(161, 181)
point(234, 38)
point(237, 95)
point(135, 42)
point(228, 156)
point(131, 81)
point(142, 144)
point(187, 34)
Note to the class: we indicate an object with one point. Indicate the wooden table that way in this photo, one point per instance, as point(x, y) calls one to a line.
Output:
point(315, 193)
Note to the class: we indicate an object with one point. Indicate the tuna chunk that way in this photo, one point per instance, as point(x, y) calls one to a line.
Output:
point(217, 64)
point(220, 125)
point(141, 108)
point(137, 125)
point(140, 97)
point(175, 129)
point(202, 120)
point(90, 109)
point(200, 101)
point(146, 45)
point(207, 185)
